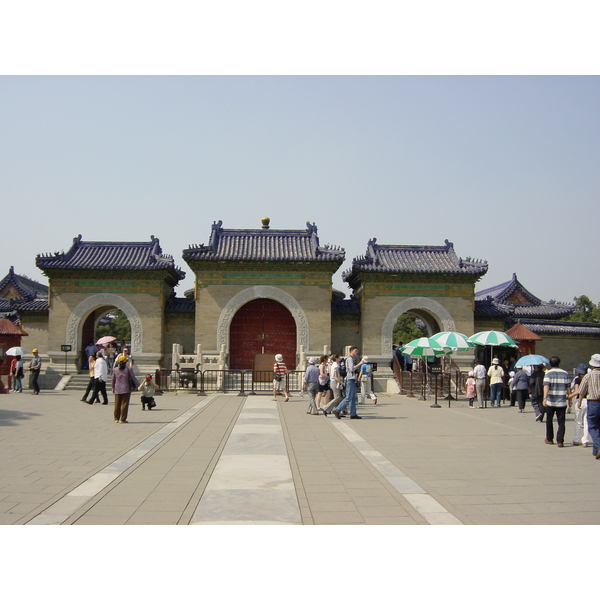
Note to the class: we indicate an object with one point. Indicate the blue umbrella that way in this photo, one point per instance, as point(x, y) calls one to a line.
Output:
point(531, 359)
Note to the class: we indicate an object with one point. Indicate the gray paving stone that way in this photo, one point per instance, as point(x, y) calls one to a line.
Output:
point(487, 468)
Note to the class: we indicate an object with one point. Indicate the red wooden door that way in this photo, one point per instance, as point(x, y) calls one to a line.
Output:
point(262, 326)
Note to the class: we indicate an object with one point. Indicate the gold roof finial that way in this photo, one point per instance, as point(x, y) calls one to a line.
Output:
point(265, 222)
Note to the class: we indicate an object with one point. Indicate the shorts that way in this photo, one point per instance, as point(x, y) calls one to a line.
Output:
point(324, 388)
point(279, 385)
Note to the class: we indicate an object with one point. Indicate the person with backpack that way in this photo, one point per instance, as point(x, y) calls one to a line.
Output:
point(18, 375)
point(364, 378)
point(336, 383)
point(351, 397)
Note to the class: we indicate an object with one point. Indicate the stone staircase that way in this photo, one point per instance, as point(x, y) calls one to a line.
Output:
point(78, 382)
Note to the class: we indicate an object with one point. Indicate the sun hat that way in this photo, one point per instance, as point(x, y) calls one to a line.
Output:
point(122, 358)
point(471, 373)
point(595, 360)
point(148, 376)
point(312, 361)
point(581, 369)
point(495, 361)
point(278, 357)
point(34, 350)
point(365, 359)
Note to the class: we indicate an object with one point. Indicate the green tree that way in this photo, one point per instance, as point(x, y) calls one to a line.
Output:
point(585, 311)
point(407, 329)
point(118, 327)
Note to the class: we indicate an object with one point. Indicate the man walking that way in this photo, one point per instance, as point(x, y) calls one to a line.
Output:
point(536, 385)
point(556, 391)
point(350, 397)
point(100, 377)
point(590, 389)
point(480, 375)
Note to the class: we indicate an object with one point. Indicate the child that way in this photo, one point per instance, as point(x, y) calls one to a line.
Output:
point(147, 388)
point(470, 383)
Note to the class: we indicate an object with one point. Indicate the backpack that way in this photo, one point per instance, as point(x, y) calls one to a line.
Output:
point(342, 372)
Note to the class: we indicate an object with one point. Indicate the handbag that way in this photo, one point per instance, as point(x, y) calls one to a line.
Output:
point(132, 385)
point(277, 377)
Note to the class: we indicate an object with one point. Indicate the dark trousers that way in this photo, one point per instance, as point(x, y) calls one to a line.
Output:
point(91, 387)
point(122, 406)
point(34, 380)
point(561, 412)
point(522, 396)
point(100, 388)
point(536, 403)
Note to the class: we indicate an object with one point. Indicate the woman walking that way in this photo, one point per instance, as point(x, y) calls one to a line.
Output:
point(123, 381)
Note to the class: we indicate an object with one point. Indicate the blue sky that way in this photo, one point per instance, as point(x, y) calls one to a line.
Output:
point(505, 167)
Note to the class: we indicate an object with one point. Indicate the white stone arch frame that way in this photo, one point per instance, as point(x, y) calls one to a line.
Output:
point(427, 305)
point(262, 291)
point(85, 307)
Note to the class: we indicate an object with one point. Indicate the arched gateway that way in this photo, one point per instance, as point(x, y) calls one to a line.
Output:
point(256, 291)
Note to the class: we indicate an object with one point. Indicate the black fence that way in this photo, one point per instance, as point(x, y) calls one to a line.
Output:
point(245, 382)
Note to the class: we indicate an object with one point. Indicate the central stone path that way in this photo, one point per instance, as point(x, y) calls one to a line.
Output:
point(252, 481)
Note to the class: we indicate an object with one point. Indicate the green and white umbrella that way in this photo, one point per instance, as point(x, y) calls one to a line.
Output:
point(424, 347)
point(492, 338)
point(453, 340)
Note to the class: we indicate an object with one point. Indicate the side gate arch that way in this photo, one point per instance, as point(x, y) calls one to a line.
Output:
point(83, 309)
point(263, 291)
point(426, 305)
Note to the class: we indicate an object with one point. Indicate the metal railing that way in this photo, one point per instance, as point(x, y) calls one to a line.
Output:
point(245, 382)
point(416, 384)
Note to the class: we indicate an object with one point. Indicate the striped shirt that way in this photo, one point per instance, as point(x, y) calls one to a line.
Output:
point(590, 386)
point(558, 382)
point(279, 368)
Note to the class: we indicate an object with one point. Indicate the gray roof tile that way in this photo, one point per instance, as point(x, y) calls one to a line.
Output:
point(283, 245)
point(110, 255)
point(440, 260)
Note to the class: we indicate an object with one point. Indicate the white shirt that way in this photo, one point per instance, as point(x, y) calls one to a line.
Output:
point(479, 371)
point(100, 369)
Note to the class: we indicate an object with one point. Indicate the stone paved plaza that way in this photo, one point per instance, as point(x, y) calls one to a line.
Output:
point(226, 459)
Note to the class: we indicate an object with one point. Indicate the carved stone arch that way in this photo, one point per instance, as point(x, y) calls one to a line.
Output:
point(262, 291)
point(85, 307)
point(421, 304)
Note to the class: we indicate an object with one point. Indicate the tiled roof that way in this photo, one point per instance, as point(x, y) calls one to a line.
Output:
point(521, 333)
point(138, 256)
point(28, 288)
point(289, 245)
point(345, 307)
point(441, 260)
point(181, 305)
point(546, 310)
point(7, 327)
point(10, 306)
point(496, 302)
point(546, 326)
point(501, 292)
